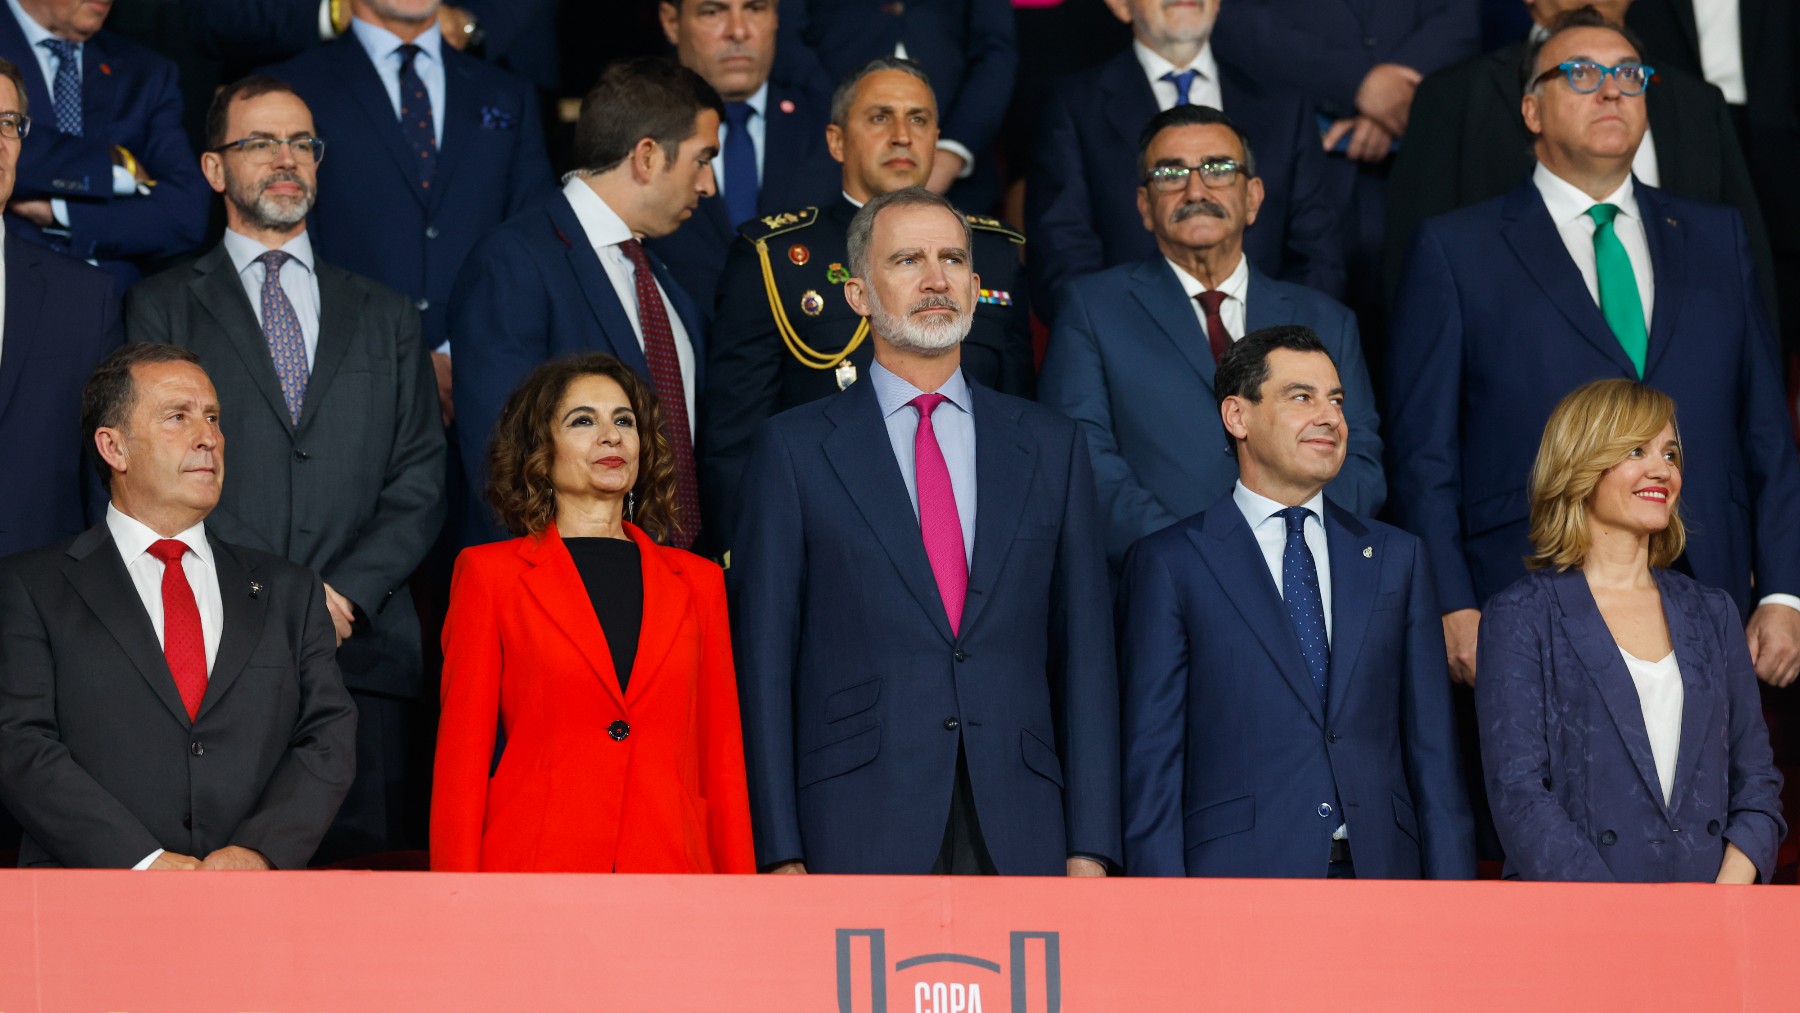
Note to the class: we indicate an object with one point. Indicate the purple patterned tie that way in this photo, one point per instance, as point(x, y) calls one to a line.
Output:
point(939, 522)
point(281, 329)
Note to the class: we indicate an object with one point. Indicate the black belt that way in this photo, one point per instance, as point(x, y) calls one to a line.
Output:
point(1340, 851)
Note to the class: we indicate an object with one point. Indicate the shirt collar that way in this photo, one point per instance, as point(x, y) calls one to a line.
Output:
point(1567, 202)
point(894, 393)
point(1155, 66)
point(602, 224)
point(1258, 508)
point(34, 32)
point(381, 44)
point(1235, 285)
point(760, 101)
point(243, 250)
point(133, 537)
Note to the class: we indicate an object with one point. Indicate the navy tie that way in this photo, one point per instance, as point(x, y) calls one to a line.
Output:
point(65, 92)
point(416, 122)
point(1182, 81)
point(1305, 603)
point(740, 163)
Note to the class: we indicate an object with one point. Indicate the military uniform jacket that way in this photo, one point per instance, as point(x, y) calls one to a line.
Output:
point(755, 371)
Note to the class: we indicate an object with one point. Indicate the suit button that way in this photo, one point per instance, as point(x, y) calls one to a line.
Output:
point(187, 822)
point(1325, 810)
point(1331, 737)
point(1713, 828)
point(423, 305)
point(618, 730)
point(300, 455)
point(960, 655)
point(1371, 42)
point(1658, 842)
point(1608, 837)
point(431, 232)
point(197, 747)
point(950, 724)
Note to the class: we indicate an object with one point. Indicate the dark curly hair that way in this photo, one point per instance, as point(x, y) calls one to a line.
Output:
point(522, 451)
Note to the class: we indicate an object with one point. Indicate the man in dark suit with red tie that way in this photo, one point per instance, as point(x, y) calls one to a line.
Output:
point(167, 700)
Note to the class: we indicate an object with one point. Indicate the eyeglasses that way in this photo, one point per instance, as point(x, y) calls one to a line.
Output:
point(14, 125)
point(1586, 76)
point(1216, 173)
point(261, 150)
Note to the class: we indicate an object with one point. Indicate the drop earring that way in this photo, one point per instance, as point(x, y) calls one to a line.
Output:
point(631, 505)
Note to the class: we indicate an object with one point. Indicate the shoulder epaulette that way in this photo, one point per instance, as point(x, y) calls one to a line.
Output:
point(770, 226)
point(987, 224)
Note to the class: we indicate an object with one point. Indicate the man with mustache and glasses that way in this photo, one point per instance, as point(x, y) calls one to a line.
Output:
point(919, 600)
point(337, 448)
point(1134, 348)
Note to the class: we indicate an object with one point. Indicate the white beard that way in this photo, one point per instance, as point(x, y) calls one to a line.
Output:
point(935, 336)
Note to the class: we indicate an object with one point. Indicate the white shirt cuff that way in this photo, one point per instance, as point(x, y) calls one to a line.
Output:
point(326, 34)
point(1790, 600)
point(59, 210)
point(444, 349)
point(148, 861)
point(961, 152)
point(124, 183)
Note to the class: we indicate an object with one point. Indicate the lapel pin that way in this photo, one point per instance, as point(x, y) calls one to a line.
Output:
point(787, 105)
point(1672, 222)
point(255, 589)
point(1368, 552)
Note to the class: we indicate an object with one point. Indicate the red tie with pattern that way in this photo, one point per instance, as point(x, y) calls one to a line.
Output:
point(1216, 335)
point(665, 376)
point(184, 645)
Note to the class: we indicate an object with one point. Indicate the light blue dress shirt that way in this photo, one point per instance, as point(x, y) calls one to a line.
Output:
point(1264, 517)
point(298, 281)
point(954, 424)
point(383, 48)
point(758, 129)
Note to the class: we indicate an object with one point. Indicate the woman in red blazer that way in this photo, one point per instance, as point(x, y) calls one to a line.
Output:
point(590, 714)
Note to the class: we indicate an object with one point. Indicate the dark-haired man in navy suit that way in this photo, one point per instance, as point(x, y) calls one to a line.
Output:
point(1134, 348)
point(1079, 206)
point(1285, 706)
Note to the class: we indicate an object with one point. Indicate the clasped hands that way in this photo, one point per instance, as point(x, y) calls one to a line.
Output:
point(230, 858)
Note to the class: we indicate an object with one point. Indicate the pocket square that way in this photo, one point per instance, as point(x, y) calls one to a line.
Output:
point(496, 118)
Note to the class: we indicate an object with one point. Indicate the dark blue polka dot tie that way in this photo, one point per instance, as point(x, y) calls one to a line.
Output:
point(65, 92)
point(417, 124)
point(1305, 603)
point(1182, 81)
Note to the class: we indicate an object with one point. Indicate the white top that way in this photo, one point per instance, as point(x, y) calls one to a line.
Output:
point(383, 48)
point(757, 127)
point(1203, 92)
point(1235, 310)
point(1568, 206)
point(1660, 696)
point(1264, 517)
point(606, 231)
point(134, 538)
point(1722, 47)
point(298, 282)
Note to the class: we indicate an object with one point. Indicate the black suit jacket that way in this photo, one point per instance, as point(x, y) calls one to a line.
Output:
point(98, 759)
point(1081, 204)
point(62, 318)
point(1467, 143)
point(356, 491)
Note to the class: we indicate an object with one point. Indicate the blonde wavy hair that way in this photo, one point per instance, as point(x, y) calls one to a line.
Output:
point(1593, 429)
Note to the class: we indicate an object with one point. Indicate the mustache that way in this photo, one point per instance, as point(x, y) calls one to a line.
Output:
point(283, 176)
point(1198, 207)
point(934, 302)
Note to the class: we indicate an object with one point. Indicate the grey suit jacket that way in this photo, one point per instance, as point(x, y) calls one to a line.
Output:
point(356, 490)
point(98, 759)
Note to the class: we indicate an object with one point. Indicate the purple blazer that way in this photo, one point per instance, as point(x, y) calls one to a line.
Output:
point(1569, 772)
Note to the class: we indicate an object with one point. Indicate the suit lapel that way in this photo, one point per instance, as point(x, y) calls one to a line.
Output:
point(665, 609)
point(1264, 306)
point(360, 80)
point(1667, 257)
point(1229, 548)
point(244, 616)
point(339, 321)
point(98, 94)
point(1697, 658)
point(1593, 643)
point(1354, 585)
point(217, 290)
point(556, 585)
point(1004, 467)
point(858, 451)
point(614, 323)
point(1129, 100)
point(24, 307)
point(1156, 289)
point(461, 116)
point(99, 576)
point(1528, 230)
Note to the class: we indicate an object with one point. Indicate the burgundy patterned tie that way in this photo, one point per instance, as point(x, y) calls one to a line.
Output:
point(1216, 335)
point(665, 376)
point(939, 522)
point(184, 645)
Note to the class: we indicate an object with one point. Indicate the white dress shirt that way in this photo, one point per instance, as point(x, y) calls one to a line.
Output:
point(1235, 310)
point(1266, 523)
point(1660, 697)
point(383, 48)
point(297, 280)
point(1203, 92)
point(133, 539)
point(1722, 47)
point(953, 423)
point(605, 232)
point(1568, 206)
point(757, 126)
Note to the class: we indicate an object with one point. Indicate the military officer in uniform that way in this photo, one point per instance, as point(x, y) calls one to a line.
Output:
point(784, 335)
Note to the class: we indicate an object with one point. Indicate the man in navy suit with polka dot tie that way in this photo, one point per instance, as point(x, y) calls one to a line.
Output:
point(1284, 695)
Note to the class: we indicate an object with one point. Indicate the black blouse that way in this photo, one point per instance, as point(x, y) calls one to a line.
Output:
point(614, 577)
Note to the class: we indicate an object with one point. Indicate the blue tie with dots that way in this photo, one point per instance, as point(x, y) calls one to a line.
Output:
point(1305, 603)
point(1182, 80)
point(416, 121)
point(281, 329)
point(66, 89)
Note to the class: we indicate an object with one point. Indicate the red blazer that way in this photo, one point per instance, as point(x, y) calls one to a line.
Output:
point(523, 650)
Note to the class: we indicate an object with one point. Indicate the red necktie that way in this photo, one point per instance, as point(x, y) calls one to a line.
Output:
point(665, 376)
point(1216, 335)
point(184, 645)
point(939, 522)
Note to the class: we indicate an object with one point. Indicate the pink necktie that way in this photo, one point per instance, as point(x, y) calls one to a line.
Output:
point(939, 522)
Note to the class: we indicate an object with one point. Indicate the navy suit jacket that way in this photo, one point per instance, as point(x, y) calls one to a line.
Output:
point(1233, 765)
point(62, 318)
point(373, 218)
point(798, 172)
point(1570, 774)
point(129, 99)
point(1081, 204)
point(1493, 325)
point(1129, 360)
point(855, 692)
point(531, 291)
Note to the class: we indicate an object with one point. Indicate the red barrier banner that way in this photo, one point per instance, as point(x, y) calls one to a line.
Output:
point(74, 942)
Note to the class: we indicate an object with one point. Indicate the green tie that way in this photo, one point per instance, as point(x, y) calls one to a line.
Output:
point(1619, 301)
